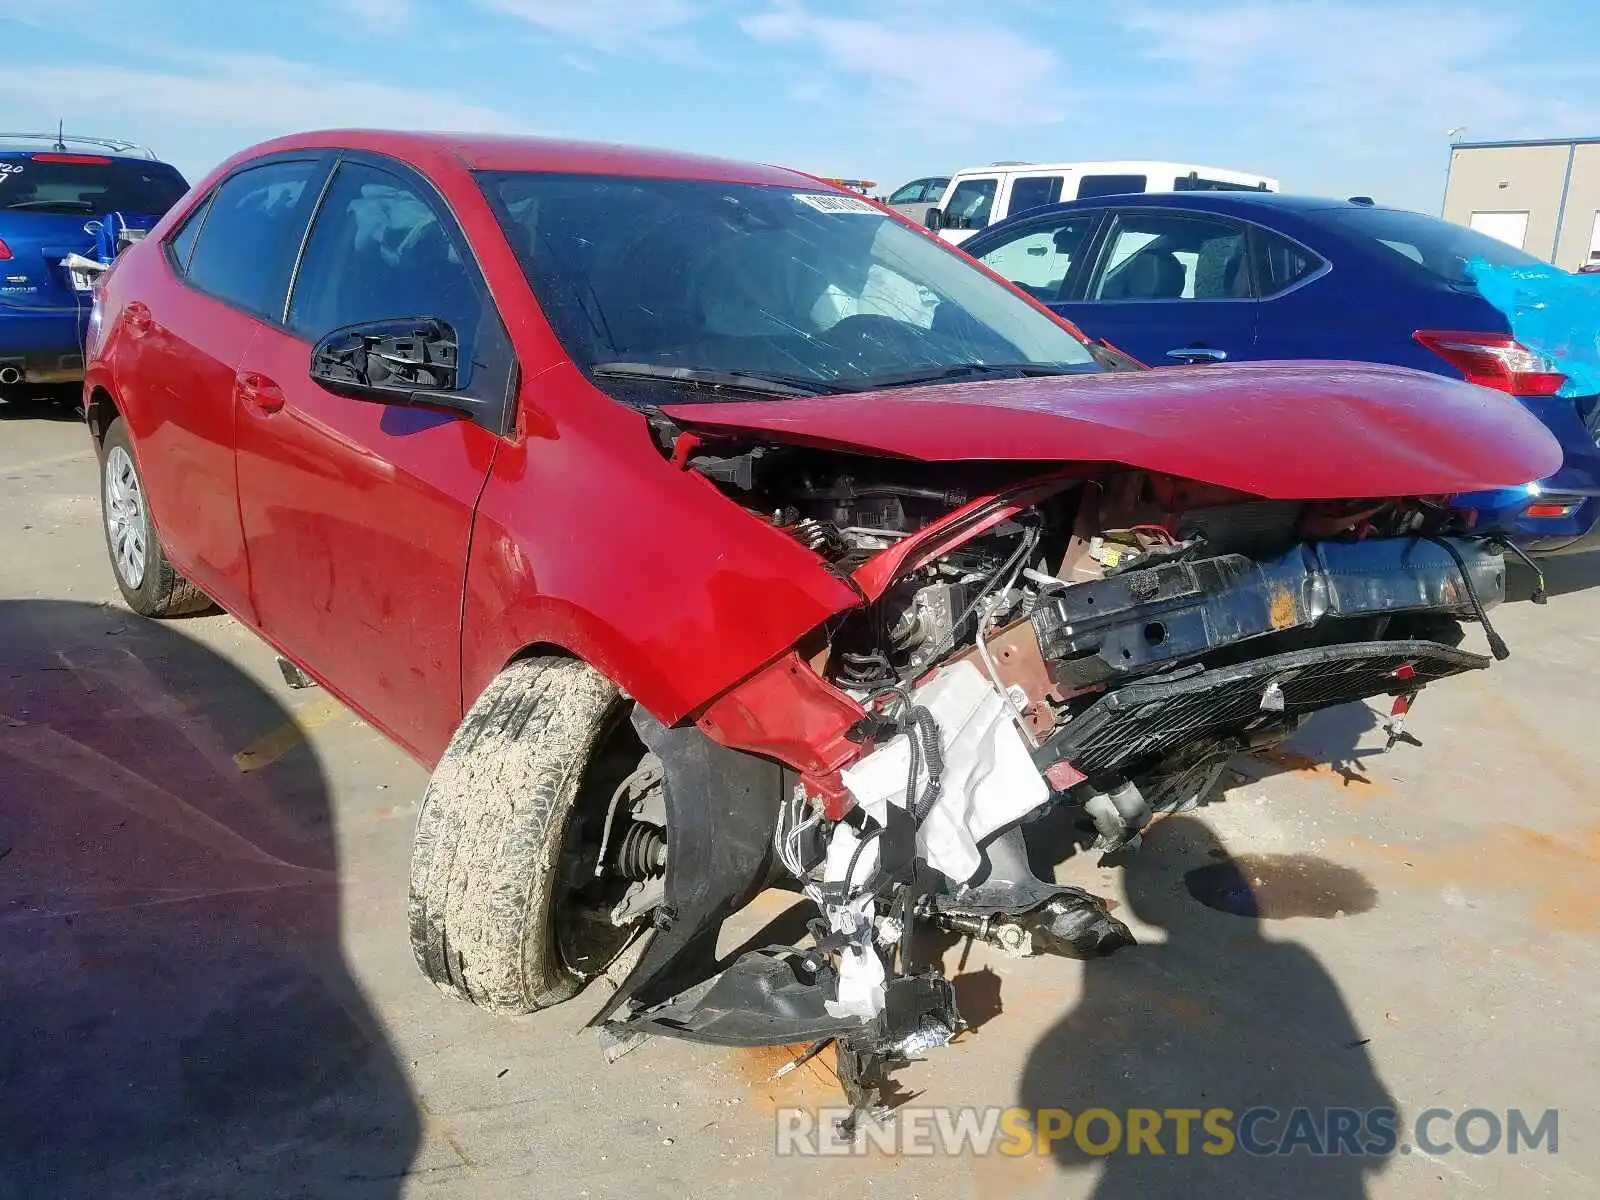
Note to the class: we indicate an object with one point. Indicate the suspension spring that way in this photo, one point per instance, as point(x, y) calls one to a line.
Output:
point(819, 537)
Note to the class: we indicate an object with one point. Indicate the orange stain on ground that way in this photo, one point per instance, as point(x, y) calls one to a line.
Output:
point(1555, 877)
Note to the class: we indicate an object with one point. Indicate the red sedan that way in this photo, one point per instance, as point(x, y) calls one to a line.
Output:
point(704, 526)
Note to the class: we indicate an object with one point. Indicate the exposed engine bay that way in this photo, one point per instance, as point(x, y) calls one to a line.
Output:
point(1028, 637)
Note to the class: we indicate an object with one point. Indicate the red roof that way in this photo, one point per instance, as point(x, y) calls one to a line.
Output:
point(502, 152)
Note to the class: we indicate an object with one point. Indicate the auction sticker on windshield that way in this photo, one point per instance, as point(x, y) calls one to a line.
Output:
point(838, 204)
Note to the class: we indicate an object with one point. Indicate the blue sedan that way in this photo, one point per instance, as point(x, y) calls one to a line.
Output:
point(1200, 277)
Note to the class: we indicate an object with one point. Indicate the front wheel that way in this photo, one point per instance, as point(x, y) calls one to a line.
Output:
point(149, 583)
point(508, 910)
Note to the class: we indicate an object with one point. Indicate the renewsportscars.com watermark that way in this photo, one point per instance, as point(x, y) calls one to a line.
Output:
point(1260, 1132)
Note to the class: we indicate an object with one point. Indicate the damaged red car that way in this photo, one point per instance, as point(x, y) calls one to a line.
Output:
point(705, 528)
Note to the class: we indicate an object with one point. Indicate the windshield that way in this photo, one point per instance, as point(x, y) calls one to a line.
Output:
point(87, 183)
point(746, 280)
point(1436, 248)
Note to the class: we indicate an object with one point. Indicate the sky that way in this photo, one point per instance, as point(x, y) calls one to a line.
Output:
point(1334, 97)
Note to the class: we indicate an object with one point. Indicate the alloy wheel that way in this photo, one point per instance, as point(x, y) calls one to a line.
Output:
point(127, 522)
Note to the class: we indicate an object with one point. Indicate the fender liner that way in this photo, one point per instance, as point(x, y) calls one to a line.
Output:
point(722, 811)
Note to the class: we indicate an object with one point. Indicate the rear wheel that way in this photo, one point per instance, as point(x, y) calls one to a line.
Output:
point(507, 910)
point(150, 584)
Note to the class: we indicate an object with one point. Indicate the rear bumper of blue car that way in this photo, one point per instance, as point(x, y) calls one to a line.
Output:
point(44, 346)
point(1560, 514)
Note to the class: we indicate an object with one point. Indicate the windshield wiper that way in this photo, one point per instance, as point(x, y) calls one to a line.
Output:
point(64, 205)
point(697, 377)
point(969, 370)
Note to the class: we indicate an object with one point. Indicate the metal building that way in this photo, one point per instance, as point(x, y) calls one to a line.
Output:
point(1542, 195)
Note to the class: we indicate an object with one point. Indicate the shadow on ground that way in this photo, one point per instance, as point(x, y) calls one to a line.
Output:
point(55, 404)
point(1563, 574)
point(1213, 1016)
point(176, 1017)
point(1329, 742)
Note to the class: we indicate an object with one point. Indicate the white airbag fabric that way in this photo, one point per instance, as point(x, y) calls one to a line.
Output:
point(861, 974)
point(989, 779)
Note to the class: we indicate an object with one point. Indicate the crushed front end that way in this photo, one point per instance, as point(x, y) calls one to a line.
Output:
point(1028, 636)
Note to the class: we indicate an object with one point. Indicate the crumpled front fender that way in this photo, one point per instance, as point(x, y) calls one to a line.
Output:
point(722, 809)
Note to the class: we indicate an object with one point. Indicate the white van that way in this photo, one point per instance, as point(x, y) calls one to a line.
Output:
point(981, 196)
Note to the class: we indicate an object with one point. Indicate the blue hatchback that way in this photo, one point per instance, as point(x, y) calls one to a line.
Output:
point(1199, 277)
point(61, 196)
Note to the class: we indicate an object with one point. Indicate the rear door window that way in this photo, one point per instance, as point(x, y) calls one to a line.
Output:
point(1281, 263)
point(1159, 255)
point(90, 184)
point(248, 243)
point(1033, 191)
point(181, 245)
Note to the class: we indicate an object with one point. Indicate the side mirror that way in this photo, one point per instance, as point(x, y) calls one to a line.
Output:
point(409, 361)
point(934, 218)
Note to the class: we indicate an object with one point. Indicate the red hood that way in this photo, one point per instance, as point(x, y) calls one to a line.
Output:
point(1286, 431)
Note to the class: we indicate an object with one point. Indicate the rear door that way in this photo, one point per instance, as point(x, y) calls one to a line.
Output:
point(1027, 192)
point(179, 345)
point(1298, 317)
point(358, 515)
point(1170, 287)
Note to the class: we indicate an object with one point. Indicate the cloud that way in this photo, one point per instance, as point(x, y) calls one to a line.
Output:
point(388, 16)
point(39, 16)
point(1346, 68)
point(1360, 93)
point(924, 69)
point(606, 24)
point(257, 93)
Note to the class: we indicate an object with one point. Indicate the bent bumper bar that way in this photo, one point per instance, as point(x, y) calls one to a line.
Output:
point(1141, 620)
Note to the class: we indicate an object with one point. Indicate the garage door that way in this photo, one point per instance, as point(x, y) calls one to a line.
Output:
point(1509, 227)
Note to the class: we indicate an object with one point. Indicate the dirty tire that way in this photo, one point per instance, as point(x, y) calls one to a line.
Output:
point(485, 862)
point(158, 589)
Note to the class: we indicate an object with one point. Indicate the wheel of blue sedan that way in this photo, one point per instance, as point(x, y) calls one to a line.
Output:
point(149, 583)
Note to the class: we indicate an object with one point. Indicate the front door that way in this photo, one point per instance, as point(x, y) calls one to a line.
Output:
point(1169, 288)
point(1042, 256)
point(358, 515)
point(972, 206)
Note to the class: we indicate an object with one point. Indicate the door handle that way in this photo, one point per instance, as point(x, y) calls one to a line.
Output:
point(1197, 354)
point(137, 316)
point(259, 392)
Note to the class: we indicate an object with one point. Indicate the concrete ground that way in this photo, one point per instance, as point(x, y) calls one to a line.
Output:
point(206, 988)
